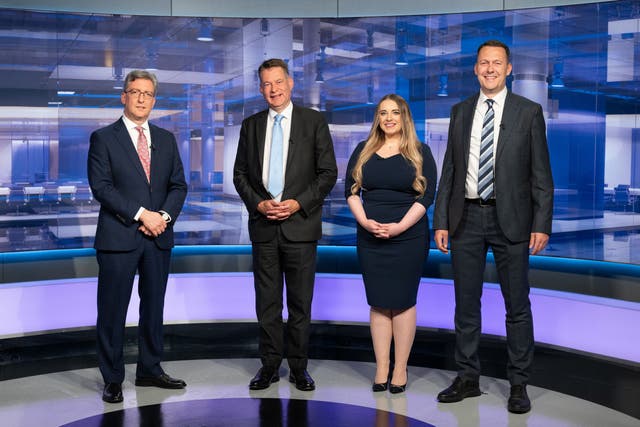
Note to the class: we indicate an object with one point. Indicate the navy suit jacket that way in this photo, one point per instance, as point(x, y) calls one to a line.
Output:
point(118, 182)
point(311, 172)
point(523, 183)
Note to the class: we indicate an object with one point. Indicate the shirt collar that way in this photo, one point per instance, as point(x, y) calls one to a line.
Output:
point(130, 124)
point(286, 112)
point(498, 99)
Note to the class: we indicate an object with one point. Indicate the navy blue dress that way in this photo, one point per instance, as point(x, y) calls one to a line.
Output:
point(392, 268)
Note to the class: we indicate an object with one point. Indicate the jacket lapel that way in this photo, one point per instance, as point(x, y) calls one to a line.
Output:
point(261, 135)
point(468, 112)
point(124, 139)
point(155, 149)
point(510, 114)
point(295, 136)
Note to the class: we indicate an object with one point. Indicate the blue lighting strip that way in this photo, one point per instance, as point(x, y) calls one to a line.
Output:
point(347, 253)
point(346, 256)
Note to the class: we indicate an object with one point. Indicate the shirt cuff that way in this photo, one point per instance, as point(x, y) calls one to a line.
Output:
point(137, 217)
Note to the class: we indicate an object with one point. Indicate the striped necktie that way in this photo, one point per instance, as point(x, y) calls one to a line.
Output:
point(485, 168)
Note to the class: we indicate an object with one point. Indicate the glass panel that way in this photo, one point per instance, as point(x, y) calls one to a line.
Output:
point(62, 74)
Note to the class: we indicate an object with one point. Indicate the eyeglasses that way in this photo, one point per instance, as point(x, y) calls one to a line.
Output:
point(137, 92)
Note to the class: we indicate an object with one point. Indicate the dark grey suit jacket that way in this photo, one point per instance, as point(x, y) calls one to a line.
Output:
point(311, 172)
point(523, 181)
point(119, 183)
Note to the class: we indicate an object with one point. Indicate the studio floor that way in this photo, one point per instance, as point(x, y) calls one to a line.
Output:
point(217, 395)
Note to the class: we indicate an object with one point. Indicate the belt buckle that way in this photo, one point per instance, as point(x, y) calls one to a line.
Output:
point(484, 203)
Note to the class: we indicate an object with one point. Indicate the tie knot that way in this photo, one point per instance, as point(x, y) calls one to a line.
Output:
point(140, 129)
point(278, 118)
point(489, 102)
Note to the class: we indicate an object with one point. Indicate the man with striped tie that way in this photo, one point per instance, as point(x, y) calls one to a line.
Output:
point(496, 190)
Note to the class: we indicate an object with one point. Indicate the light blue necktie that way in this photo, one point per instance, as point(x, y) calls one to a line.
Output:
point(276, 181)
point(485, 169)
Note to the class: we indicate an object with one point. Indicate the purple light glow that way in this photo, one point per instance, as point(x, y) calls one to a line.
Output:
point(585, 323)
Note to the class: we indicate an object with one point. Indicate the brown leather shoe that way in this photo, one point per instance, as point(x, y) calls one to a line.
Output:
point(459, 390)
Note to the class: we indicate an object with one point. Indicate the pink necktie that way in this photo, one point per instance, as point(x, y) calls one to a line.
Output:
point(143, 152)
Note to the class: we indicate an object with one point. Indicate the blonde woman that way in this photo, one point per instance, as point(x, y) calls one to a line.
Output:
point(390, 183)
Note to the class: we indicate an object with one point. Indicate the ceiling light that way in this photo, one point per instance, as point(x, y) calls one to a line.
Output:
point(117, 76)
point(320, 65)
point(556, 78)
point(401, 59)
point(401, 45)
point(264, 27)
point(444, 85)
point(202, 38)
point(557, 82)
point(205, 34)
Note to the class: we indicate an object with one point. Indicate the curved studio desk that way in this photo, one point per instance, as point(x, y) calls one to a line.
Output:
point(586, 345)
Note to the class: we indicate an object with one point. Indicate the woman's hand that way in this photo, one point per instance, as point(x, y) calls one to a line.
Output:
point(371, 226)
point(389, 230)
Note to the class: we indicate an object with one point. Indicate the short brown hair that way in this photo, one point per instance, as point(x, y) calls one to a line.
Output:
point(496, 43)
point(271, 63)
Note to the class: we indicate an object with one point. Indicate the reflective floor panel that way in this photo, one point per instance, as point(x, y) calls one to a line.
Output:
point(217, 395)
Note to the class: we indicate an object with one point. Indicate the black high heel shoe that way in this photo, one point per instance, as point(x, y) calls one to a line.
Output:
point(395, 389)
point(376, 387)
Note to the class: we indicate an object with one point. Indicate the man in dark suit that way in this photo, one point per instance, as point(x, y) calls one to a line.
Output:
point(136, 174)
point(284, 168)
point(496, 191)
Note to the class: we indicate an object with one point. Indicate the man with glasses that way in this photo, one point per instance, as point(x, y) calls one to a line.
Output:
point(136, 174)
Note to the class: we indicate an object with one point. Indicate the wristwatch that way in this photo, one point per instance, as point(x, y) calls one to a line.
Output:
point(165, 216)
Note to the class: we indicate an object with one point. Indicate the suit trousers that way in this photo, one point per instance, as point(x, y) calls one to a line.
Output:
point(295, 262)
point(115, 282)
point(479, 230)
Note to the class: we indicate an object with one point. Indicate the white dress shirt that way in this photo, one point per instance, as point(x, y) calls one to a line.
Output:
point(134, 134)
point(471, 186)
point(286, 133)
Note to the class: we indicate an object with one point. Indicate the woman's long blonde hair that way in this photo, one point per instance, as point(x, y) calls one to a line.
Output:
point(410, 145)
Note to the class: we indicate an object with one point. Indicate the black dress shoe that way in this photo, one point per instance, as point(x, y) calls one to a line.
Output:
point(264, 378)
point(163, 381)
point(519, 402)
point(302, 380)
point(112, 393)
point(459, 390)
